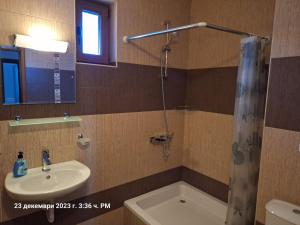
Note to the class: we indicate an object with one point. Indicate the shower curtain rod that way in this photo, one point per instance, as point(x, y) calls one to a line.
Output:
point(127, 39)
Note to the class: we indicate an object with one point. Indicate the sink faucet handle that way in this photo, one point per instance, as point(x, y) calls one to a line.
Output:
point(46, 156)
point(45, 153)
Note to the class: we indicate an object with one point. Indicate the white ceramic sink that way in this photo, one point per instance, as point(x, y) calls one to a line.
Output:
point(62, 179)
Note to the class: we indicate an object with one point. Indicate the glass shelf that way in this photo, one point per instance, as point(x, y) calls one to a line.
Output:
point(41, 121)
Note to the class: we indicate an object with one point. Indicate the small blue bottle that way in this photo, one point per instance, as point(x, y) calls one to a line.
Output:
point(20, 167)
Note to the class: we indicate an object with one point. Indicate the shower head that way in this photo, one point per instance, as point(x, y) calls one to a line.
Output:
point(171, 39)
point(174, 34)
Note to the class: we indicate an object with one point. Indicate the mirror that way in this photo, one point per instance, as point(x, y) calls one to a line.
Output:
point(30, 76)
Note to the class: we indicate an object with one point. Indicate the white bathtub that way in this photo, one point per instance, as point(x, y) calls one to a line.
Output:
point(178, 204)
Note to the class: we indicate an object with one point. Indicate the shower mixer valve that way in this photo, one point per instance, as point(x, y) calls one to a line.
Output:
point(161, 139)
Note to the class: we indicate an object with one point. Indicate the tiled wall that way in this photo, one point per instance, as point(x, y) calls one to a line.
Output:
point(211, 80)
point(280, 171)
point(280, 166)
point(112, 218)
point(119, 103)
point(210, 48)
point(143, 16)
point(54, 18)
point(131, 219)
point(280, 152)
point(128, 88)
point(280, 156)
point(119, 145)
point(134, 85)
point(212, 64)
point(207, 143)
point(120, 107)
point(286, 30)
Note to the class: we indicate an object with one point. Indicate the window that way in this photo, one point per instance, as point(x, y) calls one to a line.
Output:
point(91, 33)
point(92, 25)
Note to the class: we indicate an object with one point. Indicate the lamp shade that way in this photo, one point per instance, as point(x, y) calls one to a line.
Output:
point(40, 44)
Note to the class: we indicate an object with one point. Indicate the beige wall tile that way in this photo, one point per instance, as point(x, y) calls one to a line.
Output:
point(209, 48)
point(65, 11)
point(16, 6)
point(12, 23)
point(286, 32)
point(207, 143)
point(59, 10)
point(280, 168)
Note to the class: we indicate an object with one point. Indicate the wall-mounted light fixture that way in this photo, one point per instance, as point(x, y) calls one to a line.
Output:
point(40, 44)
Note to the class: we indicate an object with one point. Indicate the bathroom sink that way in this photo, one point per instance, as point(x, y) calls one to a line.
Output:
point(37, 185)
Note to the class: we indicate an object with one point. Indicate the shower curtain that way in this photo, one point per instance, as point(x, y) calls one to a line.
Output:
point(247, 136)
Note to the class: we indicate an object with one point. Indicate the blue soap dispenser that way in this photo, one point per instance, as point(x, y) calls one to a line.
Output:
point(20, 167)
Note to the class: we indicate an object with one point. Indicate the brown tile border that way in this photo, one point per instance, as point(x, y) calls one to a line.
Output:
point(105, 90)
point(258, 223)
point(117, 195)
point(283, 104)
point(212, 89)
point(205, 183)
point(137, 88)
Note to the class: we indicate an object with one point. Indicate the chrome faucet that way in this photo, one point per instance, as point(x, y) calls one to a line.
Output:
point(46, 160)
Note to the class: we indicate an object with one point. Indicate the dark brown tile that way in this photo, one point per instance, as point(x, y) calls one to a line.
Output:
point(283, 103)
point(87, 100)
point(212, 89)
point(104, 100)
point(149, 89)
point(205, 183)
point(86, 75)
point(176, 87)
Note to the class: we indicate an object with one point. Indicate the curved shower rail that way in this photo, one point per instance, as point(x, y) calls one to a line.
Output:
point(127, 39)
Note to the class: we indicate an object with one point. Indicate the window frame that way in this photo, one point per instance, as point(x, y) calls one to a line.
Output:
point(103, 11)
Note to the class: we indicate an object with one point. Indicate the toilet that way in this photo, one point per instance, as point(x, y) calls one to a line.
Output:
point(282, 213)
